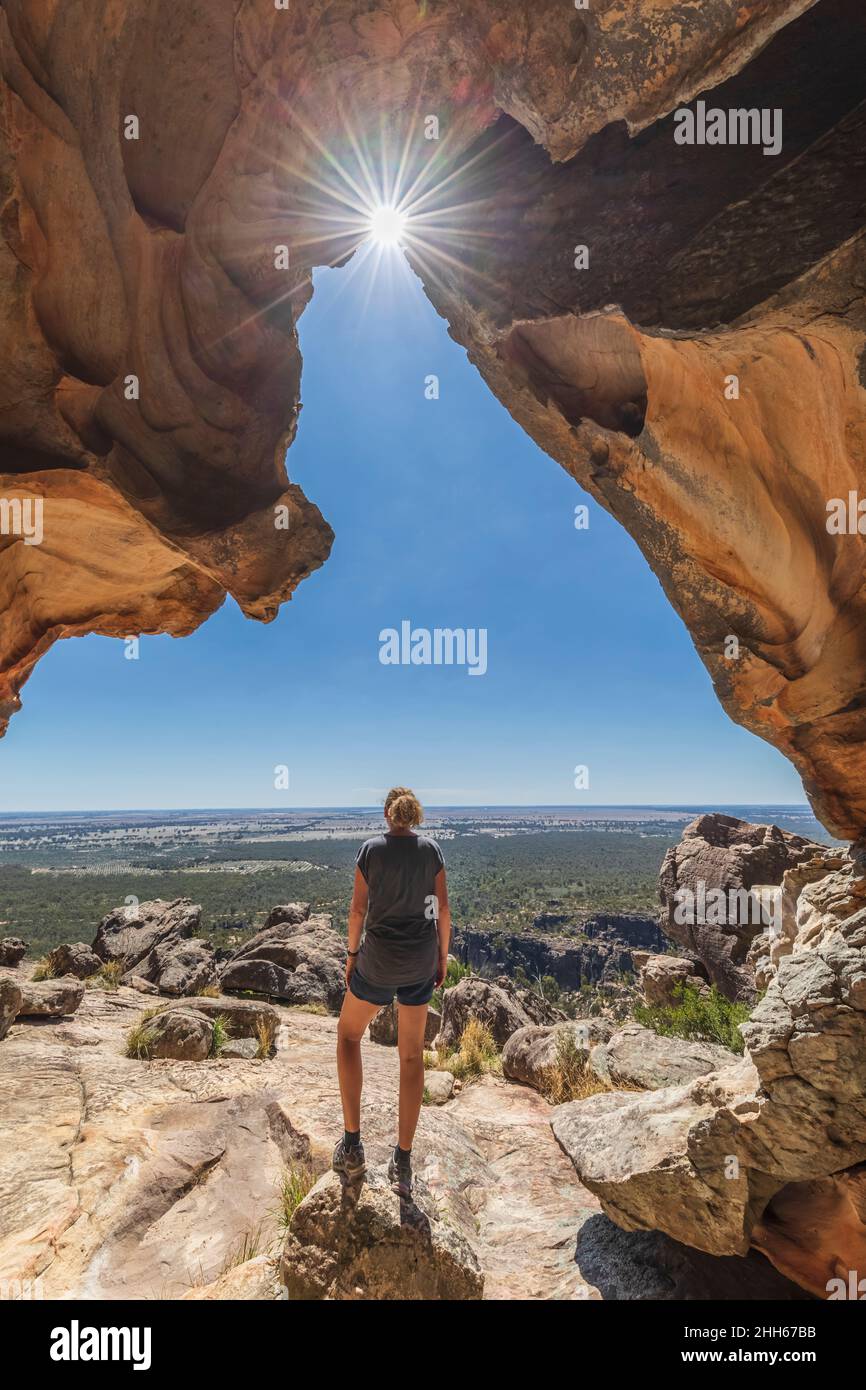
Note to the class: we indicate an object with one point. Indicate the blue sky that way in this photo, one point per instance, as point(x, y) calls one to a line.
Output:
point(445, 514)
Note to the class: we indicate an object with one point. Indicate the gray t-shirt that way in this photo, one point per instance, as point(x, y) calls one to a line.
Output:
point(401, 943)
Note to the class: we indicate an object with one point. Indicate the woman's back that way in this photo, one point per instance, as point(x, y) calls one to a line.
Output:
point(400, 872)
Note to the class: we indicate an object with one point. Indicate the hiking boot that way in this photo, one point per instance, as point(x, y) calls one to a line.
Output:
point(400, 1172)
point(349, 1160)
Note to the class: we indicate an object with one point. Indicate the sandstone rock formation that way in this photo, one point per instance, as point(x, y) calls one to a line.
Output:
point(12, 950)
point(10, 1003)
point(768, 1149)
point(704, 888)
point(661, 976)
point(152, 378)
point(183, 1034)
point(128, 934)
point(635, 1056)
point(596, 951)
point(499, 1005)
point(74, 959)
point(531, 1051)
point(815, 1232)
point(50, 998)
point(244, 1018)
point(365, 1242)
point(179, 966)
point(301, 962)
point(126, 1180)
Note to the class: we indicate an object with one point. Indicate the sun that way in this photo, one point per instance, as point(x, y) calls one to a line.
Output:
point(387, 225)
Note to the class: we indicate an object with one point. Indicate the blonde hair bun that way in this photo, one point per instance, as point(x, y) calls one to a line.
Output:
point(403, 808)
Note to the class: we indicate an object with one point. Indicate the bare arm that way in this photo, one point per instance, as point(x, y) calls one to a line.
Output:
point(357, 913)
point(443, 924)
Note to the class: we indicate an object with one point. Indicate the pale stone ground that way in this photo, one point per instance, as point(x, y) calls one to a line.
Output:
point(127, 1179)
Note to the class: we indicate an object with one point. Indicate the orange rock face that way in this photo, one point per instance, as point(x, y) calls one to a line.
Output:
point(172, 172)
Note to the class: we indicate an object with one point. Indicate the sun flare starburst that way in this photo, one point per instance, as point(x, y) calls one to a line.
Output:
point(388, 225)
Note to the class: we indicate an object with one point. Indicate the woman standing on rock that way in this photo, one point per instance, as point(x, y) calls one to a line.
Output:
point(401, 897)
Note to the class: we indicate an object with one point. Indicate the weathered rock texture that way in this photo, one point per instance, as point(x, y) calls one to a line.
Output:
point(76, 959)
point(148, 329)
point(50, 998)
point(596, 951)
point(365, 1242)
point(636, 1056)
point(720, 855)
point(12, 950)
point(10, 1003)
point(768, 1150)
point(499, 1005)
point(531, 1051)
point(129, 934)
point(299, 961)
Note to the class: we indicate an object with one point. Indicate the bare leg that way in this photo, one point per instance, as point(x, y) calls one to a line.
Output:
point(411, 1023)
point(354, 1017)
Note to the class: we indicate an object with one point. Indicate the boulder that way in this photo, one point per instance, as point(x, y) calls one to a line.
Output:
point(130, 933)
point(499, 1005)
point(438, 1086)
point(143, 986)
point(704, 886)
point(636, 1056)
point(287, 914)
point(298, 962)
point(76, 959)
point(383, 1029)
point(50, 998)
point(529, 1053)
point(705, 1162)
point(661, 975)
point(183, 1034)
point(363, 1242)
point(12, 950)
point(10, 1003)
point(244, 1017)
point(178, 966)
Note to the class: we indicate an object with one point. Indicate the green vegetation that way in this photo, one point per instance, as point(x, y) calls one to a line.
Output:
point(705, 1017)
point(296, 1181)
point(141, 1038)
point(220, 1035)
point(453, 975)
point(494, 882)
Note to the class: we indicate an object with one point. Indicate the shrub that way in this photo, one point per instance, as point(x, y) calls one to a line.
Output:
point(296, 1181)
point(266, 1032)
point(220, 1035)
point(107, 977)
point(208, 992)
point(704, 1017)
point(570, 1077)
point(476, 1055)
point(41, 970)
point(141, 1038)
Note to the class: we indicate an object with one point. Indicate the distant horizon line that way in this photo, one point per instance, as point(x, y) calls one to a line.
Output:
point(429, 806)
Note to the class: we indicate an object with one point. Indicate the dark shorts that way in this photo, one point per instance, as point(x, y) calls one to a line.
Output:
point(384, 994)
